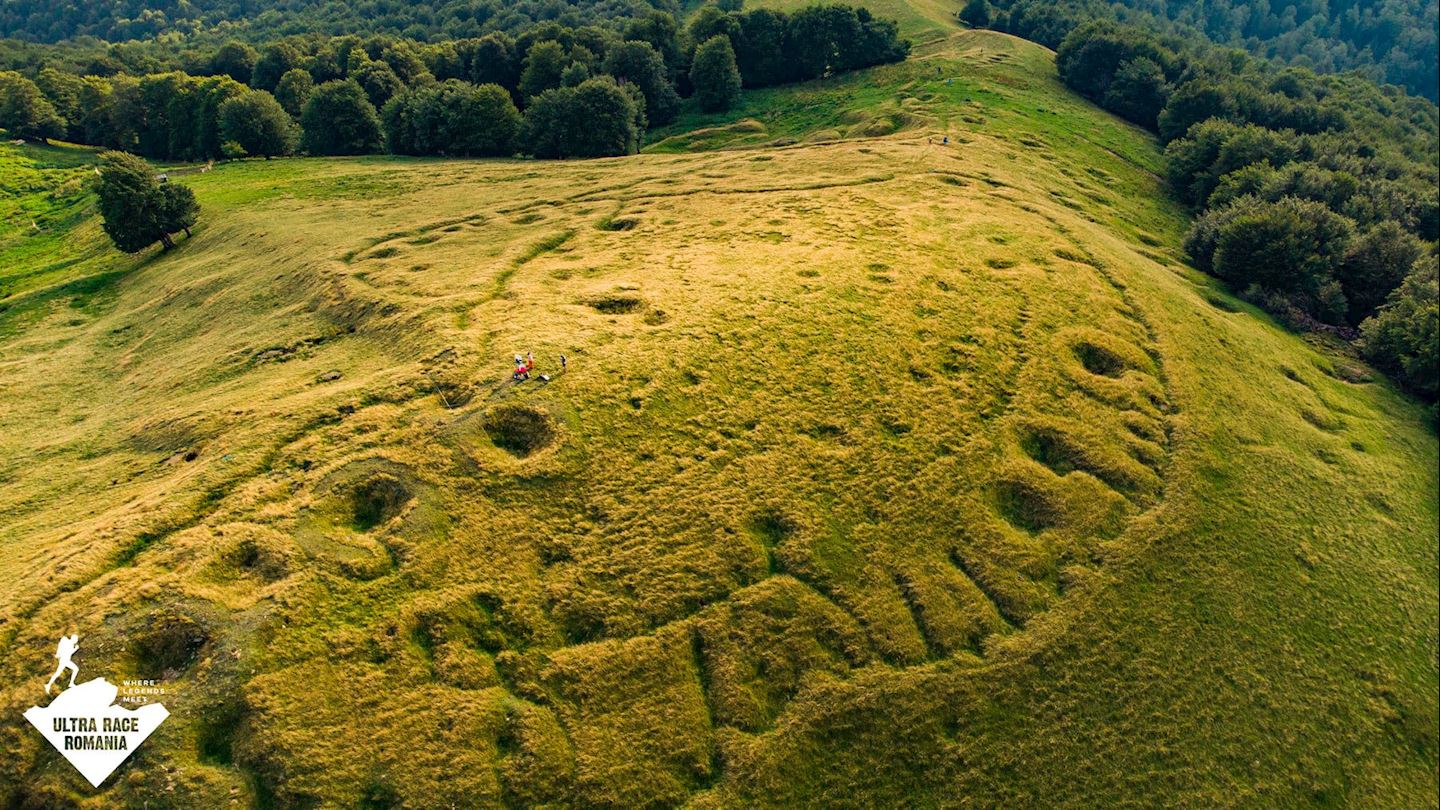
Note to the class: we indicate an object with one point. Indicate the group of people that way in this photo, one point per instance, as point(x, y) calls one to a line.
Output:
point(525, 365)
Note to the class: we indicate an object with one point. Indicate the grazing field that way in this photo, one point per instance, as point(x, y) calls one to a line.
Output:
point(884, 471)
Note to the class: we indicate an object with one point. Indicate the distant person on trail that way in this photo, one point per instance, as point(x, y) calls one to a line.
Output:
point(564, 363)
point(63, 652)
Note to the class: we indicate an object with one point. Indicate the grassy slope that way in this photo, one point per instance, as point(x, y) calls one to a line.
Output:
point(883, 469)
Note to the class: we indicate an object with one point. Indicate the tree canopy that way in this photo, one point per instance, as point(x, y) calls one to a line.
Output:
point(256, 123)
point(714, 75)
point(136, 209)
point(340, 120)
point(25, 112)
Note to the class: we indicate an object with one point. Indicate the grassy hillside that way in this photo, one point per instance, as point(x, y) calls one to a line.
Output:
point(884, 471)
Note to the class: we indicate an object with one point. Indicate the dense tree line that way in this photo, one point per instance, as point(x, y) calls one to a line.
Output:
point(120, 20)
point(1392, 41)
point(1316, 196)
point(357, 95)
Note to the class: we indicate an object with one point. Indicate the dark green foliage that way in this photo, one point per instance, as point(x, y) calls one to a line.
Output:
point(548, 126)
point(1192, 103)
point(772, 47)
point(454, 118)
point(1138, 92)
point(278, 59)
point(714, 75)
point(169, 116)
point(760, 50)
point(179, 210)
point(491, 60)
point(1375, 264)
point(709, 22)
point(43, 21)
point(661, 31)
point(1403, 338)
point(405, 62)
point(64, 91)
point(379, 81)
point(1304, 180)
point(574, 75)
point(294, 90)
point(1215, 148)
point(136, 209)
point(976, 14)
point(1392, 41)
point(144, 105)
point(831, 39)
point(544, 67)
point(1284, 166)
point(258, 124)
point(813, 39)
point(1293, 247)
point(640, 63)
point(340, 120)
point(596, 119)
point(234, 59)
point(24, 110)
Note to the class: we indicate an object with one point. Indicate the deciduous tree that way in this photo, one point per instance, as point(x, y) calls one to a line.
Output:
point(714, 75)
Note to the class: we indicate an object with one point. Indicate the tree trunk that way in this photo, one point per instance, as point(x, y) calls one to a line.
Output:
point(167, 241)
point(187, 233)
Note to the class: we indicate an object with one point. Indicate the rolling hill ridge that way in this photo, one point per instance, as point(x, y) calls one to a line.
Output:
point(899, 456)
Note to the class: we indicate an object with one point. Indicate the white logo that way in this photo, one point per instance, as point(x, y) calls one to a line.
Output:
point(84, 723)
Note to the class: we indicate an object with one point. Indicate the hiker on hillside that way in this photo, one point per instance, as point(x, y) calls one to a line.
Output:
point(564, 363)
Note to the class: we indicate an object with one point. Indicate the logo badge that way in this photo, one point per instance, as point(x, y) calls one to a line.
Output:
point(84, 723)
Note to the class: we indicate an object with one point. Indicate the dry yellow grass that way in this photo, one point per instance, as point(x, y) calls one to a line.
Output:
point(882, 471)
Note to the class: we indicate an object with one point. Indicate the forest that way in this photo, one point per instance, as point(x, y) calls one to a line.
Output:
point(257, 20)
point(1315, 195)
point(1392, 41)
point(584, 92)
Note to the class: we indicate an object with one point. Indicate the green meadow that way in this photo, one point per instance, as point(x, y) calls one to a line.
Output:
point(886, 470)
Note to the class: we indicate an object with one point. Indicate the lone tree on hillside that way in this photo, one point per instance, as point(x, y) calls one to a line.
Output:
point(179, 210)
point(138, 210)
point(714, 75)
